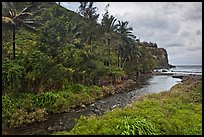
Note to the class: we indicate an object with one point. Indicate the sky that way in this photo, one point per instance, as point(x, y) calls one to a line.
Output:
point(175, 26)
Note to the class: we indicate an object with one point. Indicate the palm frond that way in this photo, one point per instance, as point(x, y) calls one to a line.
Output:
point(7, 20)
point(32, 28)
point(28, 21)
point(29, 7)
point(12, 13)
point(25, 13)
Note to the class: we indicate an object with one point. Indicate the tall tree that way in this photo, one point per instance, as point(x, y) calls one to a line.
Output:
point(108, 23)
point(128, 37)
point(87, 10)
point(14, 19)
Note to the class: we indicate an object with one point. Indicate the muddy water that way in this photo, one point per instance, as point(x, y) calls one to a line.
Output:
point(66, 121)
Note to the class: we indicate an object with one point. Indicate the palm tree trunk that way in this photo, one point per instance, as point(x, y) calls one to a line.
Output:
point(118, 58)
point(109, 58)
point(121, 58)
point(14, 43)
point(123, 64)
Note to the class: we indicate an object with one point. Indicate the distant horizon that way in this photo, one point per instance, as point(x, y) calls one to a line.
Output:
point(187, 64)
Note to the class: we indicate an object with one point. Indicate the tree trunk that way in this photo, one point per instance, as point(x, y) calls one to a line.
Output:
point(14, 43)
point(118, 58)
point(121, 58)
point(109, 58)
point(123, 64)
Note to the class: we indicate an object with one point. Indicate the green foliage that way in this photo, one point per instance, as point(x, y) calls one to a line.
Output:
point(34, 107)
point(66, 51)
point(115, 71)
point(111, 126)
point(69, 49)
point(12, 75)
point(21, 117)
point(136, 126)
point(75, 88)
point(20, 110)
point(87, 10)
point(8, 108)
point(14, 19)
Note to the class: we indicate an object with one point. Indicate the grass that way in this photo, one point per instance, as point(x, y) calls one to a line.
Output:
point(176, 112)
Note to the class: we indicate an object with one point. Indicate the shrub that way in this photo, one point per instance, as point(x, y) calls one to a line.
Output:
point(136, 126)
point(12, 75)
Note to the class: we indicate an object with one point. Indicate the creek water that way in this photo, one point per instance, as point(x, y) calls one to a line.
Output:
point(66, 121)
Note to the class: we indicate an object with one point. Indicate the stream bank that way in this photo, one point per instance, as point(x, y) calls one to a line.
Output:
point(66, 121)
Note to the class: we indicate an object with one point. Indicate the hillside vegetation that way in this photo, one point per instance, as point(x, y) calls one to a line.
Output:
point(64, 47)
point(54, 59)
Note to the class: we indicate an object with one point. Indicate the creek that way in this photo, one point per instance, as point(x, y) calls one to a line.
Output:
point(66, 121)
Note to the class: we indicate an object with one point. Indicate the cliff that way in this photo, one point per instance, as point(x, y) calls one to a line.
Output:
point(162, 57)
point(159, 53)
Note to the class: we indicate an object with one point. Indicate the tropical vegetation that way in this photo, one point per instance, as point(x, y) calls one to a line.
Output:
point(53, 58)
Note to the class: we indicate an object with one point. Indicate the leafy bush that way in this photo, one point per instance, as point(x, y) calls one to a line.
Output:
point(21, 117)
point(32, 107)
point(75, 88)
point(135, 126)
point(8, 108)
point(114, 126)
point(12, 75)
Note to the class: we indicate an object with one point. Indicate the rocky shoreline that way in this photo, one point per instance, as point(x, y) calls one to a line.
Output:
point(188, 77)
point(183, 77)
point(130, 83)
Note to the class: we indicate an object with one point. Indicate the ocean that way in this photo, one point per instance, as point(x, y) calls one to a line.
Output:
point(183, 69)
point(164, 82)
point(187, 69)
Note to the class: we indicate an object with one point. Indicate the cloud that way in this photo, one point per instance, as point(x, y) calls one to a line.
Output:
point(194, 12)
point(194, 57)
point(174, 45)
point(185, 34)
point(71, 5)
point(198, 32)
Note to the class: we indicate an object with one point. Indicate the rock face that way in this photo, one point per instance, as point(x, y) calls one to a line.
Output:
point(159, 53)
point(162, 56)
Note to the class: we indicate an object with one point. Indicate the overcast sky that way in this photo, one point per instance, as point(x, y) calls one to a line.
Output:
point(175, 26)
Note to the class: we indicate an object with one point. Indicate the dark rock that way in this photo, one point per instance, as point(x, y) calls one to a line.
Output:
point(164, 70)
point(171, 66)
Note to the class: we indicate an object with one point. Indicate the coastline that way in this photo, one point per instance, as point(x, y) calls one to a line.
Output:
point(183, 77)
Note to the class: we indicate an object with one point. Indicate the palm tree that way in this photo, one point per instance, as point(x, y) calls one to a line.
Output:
point(87, 10)
point(14, 19)
point(108, 23)
point(125, 31)
point(127, 37)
